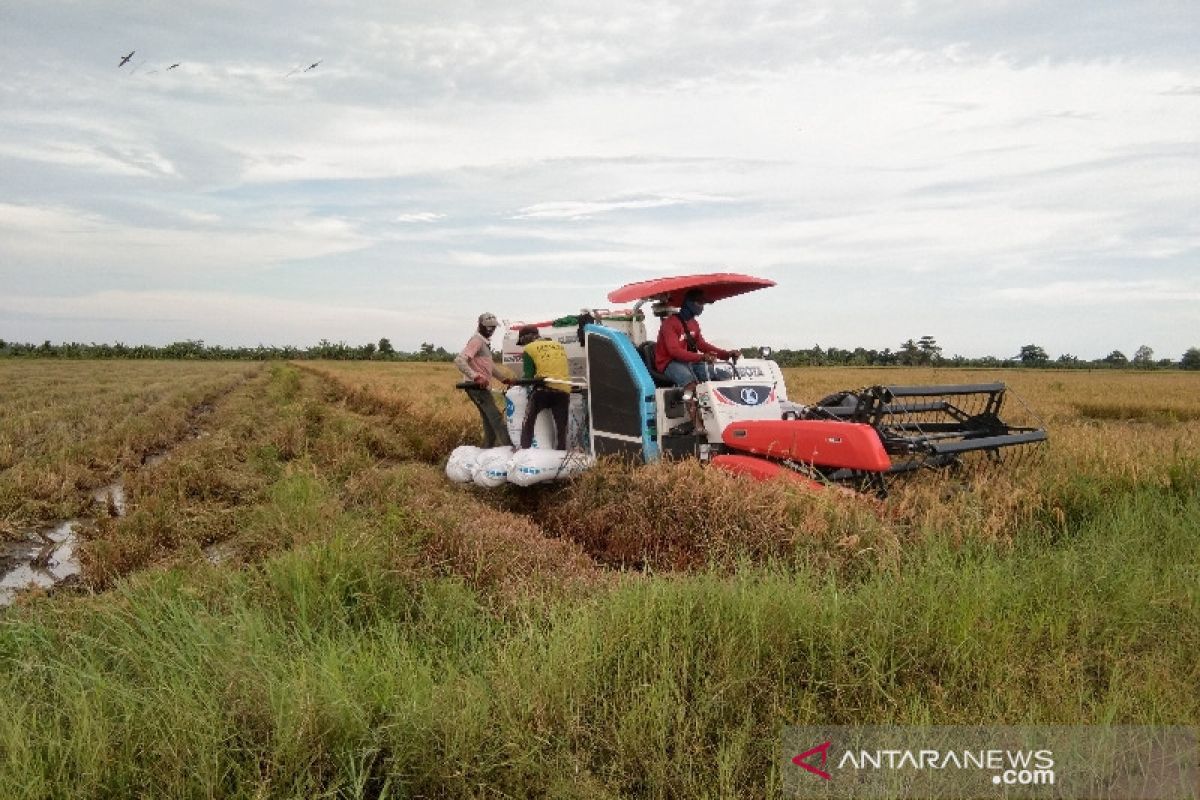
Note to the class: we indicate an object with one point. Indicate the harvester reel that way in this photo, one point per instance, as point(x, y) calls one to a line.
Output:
point(935, 427)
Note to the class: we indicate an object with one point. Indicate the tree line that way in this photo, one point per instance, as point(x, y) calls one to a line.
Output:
point(924, 351)
point(197, 349)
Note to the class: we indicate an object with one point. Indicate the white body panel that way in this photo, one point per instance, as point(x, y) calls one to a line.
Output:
point(756, 393)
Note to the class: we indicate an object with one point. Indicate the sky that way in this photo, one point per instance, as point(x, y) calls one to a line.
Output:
point(992, 174)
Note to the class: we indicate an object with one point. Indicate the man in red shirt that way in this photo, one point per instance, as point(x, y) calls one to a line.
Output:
point(682, 353)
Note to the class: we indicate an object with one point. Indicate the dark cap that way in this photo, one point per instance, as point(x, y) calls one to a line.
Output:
point(526, 332)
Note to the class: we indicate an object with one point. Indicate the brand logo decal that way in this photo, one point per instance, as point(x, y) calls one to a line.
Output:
point(802, 760)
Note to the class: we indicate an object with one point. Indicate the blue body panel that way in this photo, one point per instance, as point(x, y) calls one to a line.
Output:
point(640, 377)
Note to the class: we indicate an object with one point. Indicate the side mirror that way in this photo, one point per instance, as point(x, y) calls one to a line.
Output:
point(765, 352)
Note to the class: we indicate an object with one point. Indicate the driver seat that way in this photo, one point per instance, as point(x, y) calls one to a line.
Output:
point(646, 350)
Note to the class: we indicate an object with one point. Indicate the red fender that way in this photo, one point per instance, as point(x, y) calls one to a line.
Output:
point(825, 443)
point(760, 469)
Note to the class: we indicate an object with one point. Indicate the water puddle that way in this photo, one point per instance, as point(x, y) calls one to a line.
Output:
point(42, 562)
point(45, 557)
point(219, 552)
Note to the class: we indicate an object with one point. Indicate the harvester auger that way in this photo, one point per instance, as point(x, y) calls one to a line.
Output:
point(745, 423)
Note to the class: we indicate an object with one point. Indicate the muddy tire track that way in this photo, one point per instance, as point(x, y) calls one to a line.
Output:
point(45, 556)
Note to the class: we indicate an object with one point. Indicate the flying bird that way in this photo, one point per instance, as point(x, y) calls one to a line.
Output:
point(311, 66)
point(125, 59)
point(173, 66)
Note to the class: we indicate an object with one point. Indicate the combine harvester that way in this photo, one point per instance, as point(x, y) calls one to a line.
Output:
point(746, 424)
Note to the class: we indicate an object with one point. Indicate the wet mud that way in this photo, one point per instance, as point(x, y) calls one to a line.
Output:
point(46, 557)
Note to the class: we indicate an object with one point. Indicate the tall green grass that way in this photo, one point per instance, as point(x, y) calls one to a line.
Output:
point(334, 670)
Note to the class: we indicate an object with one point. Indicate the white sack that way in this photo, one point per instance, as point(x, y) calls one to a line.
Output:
point(516, 403)
point(528, 467)
point(491, 468)
point(461, 464)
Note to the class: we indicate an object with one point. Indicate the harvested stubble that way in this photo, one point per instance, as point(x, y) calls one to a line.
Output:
point(684, 516)
point(501, 554)
point(69, 427)
point(281, 469)
point(678, 516)
point(419, 400)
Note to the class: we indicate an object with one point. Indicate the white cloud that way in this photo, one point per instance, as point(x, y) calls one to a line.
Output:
point(245, 319)
point(578, 209)
point(944, 153)
point(81, 238)
point(420, 216)
point(1102, 293)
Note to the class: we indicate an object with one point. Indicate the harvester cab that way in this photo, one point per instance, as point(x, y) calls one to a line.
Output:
point(743, 422)
point(676, 421)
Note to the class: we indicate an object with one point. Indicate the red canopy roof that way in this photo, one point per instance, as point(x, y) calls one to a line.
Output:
point(716, 286)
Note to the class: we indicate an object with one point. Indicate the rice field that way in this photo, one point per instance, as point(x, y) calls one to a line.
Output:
point(66, 428)
point(291, 601)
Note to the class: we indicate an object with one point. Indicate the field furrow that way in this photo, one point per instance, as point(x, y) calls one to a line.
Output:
point(69, 427)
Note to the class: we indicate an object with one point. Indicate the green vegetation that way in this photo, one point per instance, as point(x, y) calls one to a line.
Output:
point(922, 352)
point(370, 631)
point(197, 350)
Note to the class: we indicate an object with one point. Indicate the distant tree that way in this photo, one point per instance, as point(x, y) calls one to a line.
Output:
point(1143, 357)
point(1032, 355)
point(1116, 358)
point(909, 355)
point(931, 353)
point(385, 348)
point(189, 348)
point(1066, 359)
point(1191, 359)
